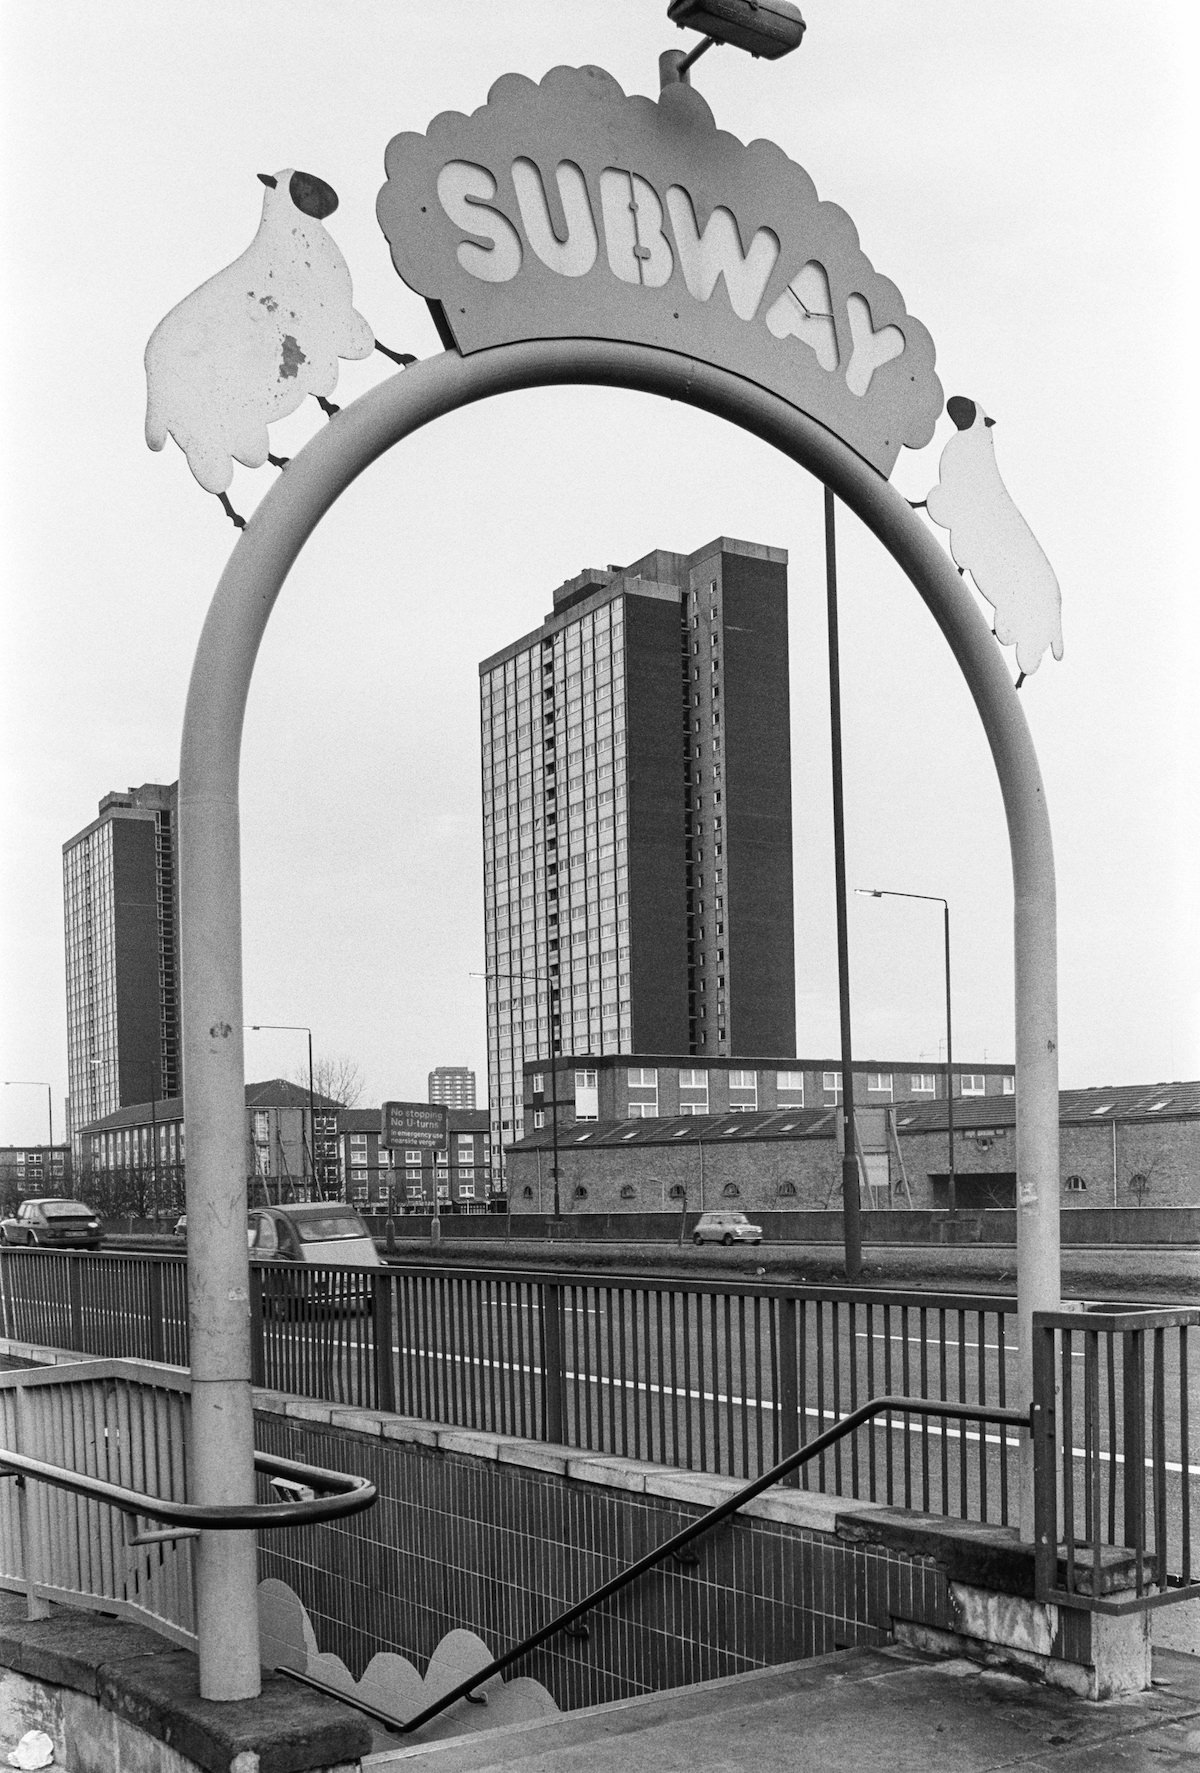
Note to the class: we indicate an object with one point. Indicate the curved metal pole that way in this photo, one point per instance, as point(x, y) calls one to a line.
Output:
point(210, 877)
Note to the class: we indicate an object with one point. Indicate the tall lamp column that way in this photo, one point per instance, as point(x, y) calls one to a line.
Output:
point(38, 1083)
point(934, 899)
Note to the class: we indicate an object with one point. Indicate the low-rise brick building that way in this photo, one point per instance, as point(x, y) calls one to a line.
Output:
point(1132, 1146)
point(628, 1086)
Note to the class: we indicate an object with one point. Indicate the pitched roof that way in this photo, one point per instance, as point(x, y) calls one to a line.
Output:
point(1130, 1102)
point(689, 1129)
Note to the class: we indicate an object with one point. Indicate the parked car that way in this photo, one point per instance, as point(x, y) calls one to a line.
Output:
point(60, 1224)
point(726, 1228)
point(324, 1235)
point(180, 1227)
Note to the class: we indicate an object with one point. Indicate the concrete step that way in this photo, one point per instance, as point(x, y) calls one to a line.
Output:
point(856, 1710)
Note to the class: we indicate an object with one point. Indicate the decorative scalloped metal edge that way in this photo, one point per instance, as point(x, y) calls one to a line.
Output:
point(390, 1683)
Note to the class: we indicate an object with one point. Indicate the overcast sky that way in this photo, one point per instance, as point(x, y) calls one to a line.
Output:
point(1023, 173)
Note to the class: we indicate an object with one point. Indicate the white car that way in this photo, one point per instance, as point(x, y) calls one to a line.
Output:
point(726, 1228)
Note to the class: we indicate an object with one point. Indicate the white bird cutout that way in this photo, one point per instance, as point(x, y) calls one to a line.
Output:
point(252, 343)
point(993, 542)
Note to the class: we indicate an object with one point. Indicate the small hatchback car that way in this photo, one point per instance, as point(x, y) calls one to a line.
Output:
point(726, 1228)
point(323, 1237)
point(61, 1224)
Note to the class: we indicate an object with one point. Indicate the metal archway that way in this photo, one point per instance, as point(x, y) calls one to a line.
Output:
point(210, 881)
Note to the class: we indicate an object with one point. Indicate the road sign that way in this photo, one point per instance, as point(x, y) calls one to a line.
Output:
point(420, 1125)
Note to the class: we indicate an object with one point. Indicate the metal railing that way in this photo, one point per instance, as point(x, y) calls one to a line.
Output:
point(720, 1377)
point(1117, 1477)
point(97, 1448)
point(832, 1437)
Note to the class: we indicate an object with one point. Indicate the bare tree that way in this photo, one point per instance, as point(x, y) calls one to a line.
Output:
point(335, 1076)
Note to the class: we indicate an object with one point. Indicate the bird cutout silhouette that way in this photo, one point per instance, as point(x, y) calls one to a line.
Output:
point(252, 343)
point(992, 541)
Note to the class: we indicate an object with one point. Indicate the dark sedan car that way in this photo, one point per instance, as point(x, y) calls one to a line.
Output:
point(60, 1224)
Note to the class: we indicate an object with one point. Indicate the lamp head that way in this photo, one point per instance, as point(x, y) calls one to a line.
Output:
point(767, 31)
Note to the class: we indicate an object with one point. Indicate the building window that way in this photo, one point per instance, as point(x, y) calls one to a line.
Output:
point(924, 1083)
point(537, 1083)
point(791, 1083)
point(1008, 1086)
point(412, 1157)
point(643, 1078)
point(262, 1126)
point(831, 1086)
point(642, 1111)
point(741, 1080)
point(879, 1083)
point(441, 1176)
point(731, 1191)
point(539, 1117)
point(628, 1191)
point(587, 1099)
point(580, 1192)
point(466, 1191)
point(1076, 1185)
point(412, 1175)
point(972, 1083)
point(694, 1080)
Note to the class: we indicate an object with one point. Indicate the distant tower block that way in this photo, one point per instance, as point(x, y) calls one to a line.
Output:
point(637, 820)
point(121, 913)
point(452, 1085)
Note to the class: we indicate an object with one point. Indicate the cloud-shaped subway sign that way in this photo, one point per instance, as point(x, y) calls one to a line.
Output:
point(566, 210)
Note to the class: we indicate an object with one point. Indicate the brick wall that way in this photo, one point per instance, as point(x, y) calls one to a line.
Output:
point(765, 1172)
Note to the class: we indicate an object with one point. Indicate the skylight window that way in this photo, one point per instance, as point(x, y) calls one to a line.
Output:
point(908, 1120)
point(632, 1135)
point(1106, 1109)
point(682, 1133)
point(1155, 1106)
point(789, 1126)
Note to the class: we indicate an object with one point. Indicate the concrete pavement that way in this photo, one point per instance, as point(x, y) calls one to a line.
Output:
point(859, 1710)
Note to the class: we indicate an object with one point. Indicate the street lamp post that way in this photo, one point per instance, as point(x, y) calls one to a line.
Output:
point(298, 1028)
point(933, 899)
point(37, 1083)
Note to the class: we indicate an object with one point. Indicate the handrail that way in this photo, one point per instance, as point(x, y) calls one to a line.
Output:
point(876, 1407)
point(343, 1494)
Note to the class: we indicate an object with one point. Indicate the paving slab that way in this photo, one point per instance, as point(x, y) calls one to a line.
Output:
point(859, 1709)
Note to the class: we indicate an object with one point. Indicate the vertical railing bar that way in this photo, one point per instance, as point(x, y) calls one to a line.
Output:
point(1158, 1471)
point(730, 1422)
point(686, 1303)
point(852, 1364)
point(1185, 1462)
point(872, 1440)
point(1134, 1433)
point(943, 1378)
point(819, 1316)
point(923, 1322)
point(1066, 1355)
point(835, 1339)
point(715, 1383)
point(1110, 1343)
point(1002, 1395)
point(906, 1380)
point(743, 1382)
point(981, 1363)
point(1091, 1408)
point(887, 1420)
point(964, 1509)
